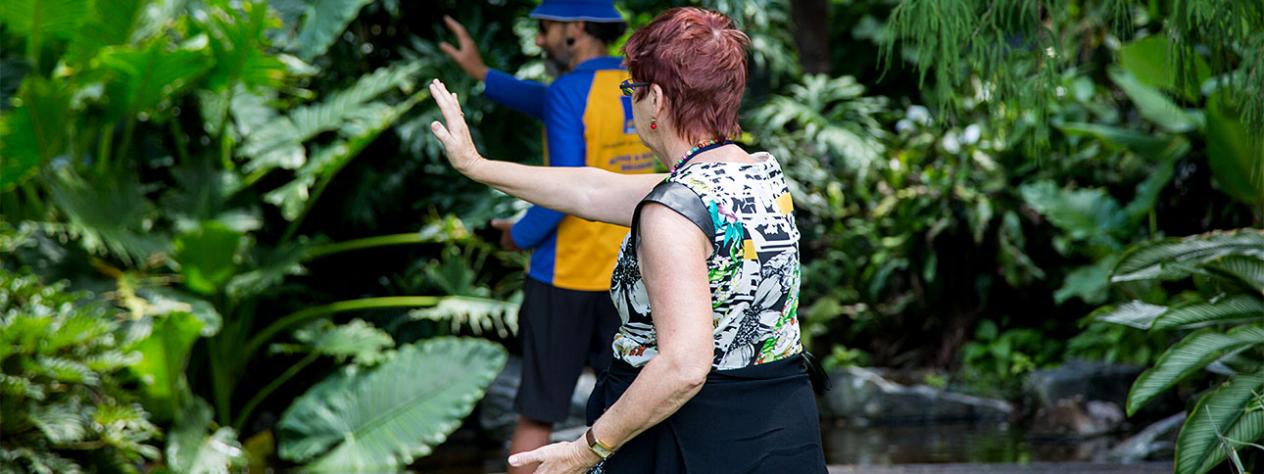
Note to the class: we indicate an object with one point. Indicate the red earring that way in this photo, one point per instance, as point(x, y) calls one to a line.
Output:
point(653, 124)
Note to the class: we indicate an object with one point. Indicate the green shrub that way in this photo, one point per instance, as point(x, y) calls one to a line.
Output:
point(64, 402)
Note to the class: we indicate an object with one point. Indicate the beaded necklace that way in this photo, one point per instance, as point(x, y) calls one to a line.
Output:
point(697, 150)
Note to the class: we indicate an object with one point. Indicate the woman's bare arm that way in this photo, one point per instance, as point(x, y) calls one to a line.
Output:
point(673, 256)
point(588, 193)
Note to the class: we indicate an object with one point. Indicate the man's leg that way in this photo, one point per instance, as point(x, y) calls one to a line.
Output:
point(553, 327)
point(528, 434)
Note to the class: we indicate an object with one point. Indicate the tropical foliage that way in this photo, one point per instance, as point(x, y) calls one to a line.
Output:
point(63, 376)
point(244, 195)
point(167, 155)
point(1222, 317)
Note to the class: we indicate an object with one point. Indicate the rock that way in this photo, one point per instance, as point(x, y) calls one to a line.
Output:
point(1079, 380)
point(1155, 442)
point(864, 396)
point(496, 410)
point(1075, 418)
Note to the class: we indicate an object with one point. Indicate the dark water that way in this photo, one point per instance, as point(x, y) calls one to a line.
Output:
point(844, 444)
point(962, 443)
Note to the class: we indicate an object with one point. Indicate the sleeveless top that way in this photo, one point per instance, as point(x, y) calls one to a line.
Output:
point(745, 210)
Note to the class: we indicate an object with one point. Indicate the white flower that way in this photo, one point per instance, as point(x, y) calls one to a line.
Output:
point(971, 134)
point(903, 124)
point(918, 114)
point(950, 143)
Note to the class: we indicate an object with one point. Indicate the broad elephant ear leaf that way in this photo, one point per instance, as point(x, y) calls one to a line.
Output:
point(379, 420)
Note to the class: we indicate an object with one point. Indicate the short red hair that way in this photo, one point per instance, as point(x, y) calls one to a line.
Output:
point(698, 58)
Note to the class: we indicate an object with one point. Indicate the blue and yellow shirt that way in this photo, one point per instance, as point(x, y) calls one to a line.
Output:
point(587, 122)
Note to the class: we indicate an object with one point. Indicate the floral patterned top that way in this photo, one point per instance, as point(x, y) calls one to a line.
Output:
point(754, 271)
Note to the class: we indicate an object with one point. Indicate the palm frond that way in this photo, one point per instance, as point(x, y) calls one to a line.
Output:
point(479, 314)
point(1218, 425)
point(357, 340)
point(1188, 356)
point(1172, 259)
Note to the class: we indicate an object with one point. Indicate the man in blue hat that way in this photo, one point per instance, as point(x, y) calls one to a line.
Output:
point(567, 316)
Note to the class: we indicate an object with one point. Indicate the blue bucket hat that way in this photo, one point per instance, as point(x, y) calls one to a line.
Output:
point(596, 11)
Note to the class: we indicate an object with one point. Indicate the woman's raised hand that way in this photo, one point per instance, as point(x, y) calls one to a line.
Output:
point(455, 136)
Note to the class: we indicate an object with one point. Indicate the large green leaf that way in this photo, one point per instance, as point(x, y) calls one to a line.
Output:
point(208, 256)
point(145, 78)
point(1090, 283)
point(110, 23)
point(1188, 356)
point(1153, 105)
point(272, 267)
point(1144, 144)
point(191, 450)
point(39, 18)
point(33, 132)
point(1171, 259)
point(1246, 271)
point(363, 128)
point(1084, 214)
point(323, 23)
point(1235, 154)
point(1234, 308)
point(277, 141)
point(382, 419)
point(165, 354)
point(109, 213)
point(161, 302)
point(1218, 423)
point(1149, 60)
point(240, 48)
point(1136, 313)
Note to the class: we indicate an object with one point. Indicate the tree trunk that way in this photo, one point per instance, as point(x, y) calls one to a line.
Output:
point(811, 34)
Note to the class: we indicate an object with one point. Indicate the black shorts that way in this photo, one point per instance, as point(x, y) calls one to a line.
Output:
point(562, 330)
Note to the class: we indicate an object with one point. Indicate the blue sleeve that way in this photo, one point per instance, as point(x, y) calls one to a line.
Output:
point(564, 107)
point(518, 94)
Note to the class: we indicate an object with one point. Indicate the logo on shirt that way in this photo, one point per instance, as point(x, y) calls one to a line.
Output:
point(629, 125)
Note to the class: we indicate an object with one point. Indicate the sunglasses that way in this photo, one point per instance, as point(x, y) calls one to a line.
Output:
point(628, 87)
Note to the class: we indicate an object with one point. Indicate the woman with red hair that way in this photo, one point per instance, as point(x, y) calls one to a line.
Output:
point(714, 378)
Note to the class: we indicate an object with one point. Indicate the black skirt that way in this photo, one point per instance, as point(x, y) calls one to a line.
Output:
point(750, 420)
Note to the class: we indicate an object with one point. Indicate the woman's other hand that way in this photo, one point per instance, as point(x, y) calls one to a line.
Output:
point(572, 457)
point(455, 136)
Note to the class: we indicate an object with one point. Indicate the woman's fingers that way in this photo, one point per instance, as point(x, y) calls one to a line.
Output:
point(449, 107)
point(440, 132)
point(523, 459)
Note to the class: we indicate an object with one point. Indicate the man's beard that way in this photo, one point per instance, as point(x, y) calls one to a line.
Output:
point(555, 65)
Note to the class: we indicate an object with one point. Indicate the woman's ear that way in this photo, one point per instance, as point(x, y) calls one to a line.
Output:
point(658, 100)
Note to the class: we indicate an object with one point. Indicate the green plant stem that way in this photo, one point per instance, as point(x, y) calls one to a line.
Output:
point(226, 151)
point(104, 145)
point(221, 385)
point(342, 306)
point(276, 383)
point(225, 142)
point(34, 200)
point(367, 242)
point(254, 177)
point(128, 130)
point(182, 145)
